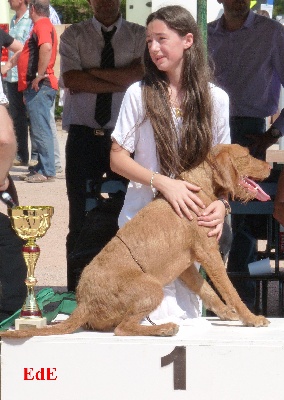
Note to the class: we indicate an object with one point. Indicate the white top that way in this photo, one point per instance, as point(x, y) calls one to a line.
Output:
point(180, 304)
point(140, 139)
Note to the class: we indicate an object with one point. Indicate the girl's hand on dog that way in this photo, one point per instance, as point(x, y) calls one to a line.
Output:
point(213, 216)
point(180, 194)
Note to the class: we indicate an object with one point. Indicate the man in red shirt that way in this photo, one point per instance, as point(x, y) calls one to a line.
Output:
point(39, 86)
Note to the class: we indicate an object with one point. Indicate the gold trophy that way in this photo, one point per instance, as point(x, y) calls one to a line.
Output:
point(30, 223)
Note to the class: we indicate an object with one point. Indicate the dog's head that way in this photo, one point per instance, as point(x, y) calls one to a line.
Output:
point(235, 170)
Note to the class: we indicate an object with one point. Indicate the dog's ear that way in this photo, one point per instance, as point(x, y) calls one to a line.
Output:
point(225, 173)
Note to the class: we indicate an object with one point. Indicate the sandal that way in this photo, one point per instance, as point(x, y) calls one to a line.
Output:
point(38, 178)
point(25, 176)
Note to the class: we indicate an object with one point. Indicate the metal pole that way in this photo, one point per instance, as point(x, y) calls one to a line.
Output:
point(202, 18)
point(202, 23)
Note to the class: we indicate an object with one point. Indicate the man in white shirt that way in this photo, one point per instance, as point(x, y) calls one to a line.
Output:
point(88, 143)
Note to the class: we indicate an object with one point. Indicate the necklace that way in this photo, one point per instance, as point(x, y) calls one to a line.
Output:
point(178, 112)
point(175, 104)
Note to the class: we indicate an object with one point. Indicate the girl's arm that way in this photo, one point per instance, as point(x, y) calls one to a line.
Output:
point(178, 193)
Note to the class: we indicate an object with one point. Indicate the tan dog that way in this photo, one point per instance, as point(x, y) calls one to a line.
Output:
point(124, 283)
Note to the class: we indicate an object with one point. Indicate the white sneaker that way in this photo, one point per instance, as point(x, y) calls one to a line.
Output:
point(3, 100)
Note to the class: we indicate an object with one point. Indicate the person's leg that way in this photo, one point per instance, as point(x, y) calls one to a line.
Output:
point(38, 105)
point(79, 166)
point(244, 245)
point(226, 238)
point(87, 159)
point(57, 157)
point(242, 252)
point(13, 270)
point(279, 200)
point(76, 183)
point(18, 113)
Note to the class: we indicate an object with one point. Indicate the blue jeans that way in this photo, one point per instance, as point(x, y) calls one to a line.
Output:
point(244, 245)
point(39, 105)
point(57, 155)
point(18, 112)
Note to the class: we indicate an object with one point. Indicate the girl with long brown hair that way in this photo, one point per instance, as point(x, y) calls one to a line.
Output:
point(168, 123)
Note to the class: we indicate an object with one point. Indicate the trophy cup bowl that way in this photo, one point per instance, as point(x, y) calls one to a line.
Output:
point(30, 223)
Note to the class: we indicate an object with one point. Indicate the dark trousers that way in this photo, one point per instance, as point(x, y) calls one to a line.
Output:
point(244, 245)
point(18, 113)
point(87, 160)
point(13, 270)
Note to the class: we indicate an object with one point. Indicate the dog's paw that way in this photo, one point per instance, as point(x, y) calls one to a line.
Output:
point(169, 329)
point(257, 321)
point(228, 314)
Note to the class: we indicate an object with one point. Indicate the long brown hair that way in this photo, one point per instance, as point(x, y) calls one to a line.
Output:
point(188, 147)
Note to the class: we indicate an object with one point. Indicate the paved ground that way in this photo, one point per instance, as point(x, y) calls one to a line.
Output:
point(51, 266)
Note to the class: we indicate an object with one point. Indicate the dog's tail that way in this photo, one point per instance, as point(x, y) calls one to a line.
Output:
point(75, 321)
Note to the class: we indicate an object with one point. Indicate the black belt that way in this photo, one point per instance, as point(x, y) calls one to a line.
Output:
point(102, 132)
point(93, 131)
point(238, 118)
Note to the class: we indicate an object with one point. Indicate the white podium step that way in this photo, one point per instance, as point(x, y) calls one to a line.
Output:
point(209, 360)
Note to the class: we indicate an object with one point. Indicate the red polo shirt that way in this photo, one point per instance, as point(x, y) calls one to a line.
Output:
point(42, 32)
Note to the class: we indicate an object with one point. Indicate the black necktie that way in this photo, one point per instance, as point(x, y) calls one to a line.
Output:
point(103, 104)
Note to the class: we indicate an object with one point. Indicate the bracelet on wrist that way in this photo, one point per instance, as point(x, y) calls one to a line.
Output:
point(41, 75)
point(154, 190)
point(227, 206)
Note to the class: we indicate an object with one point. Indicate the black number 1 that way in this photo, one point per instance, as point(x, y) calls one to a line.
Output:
point(178, 358)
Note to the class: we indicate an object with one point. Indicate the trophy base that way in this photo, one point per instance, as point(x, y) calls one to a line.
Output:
point(29, 323)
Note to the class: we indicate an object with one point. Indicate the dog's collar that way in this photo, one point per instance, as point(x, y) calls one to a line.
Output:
point(139, 265)
point(137, 262)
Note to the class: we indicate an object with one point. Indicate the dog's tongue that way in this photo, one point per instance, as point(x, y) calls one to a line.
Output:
point(254, 188)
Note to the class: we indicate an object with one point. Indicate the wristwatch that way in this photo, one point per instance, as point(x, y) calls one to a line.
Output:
point(227, 206)
point(275, 133)
point(41, 75)
point(3, 100)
